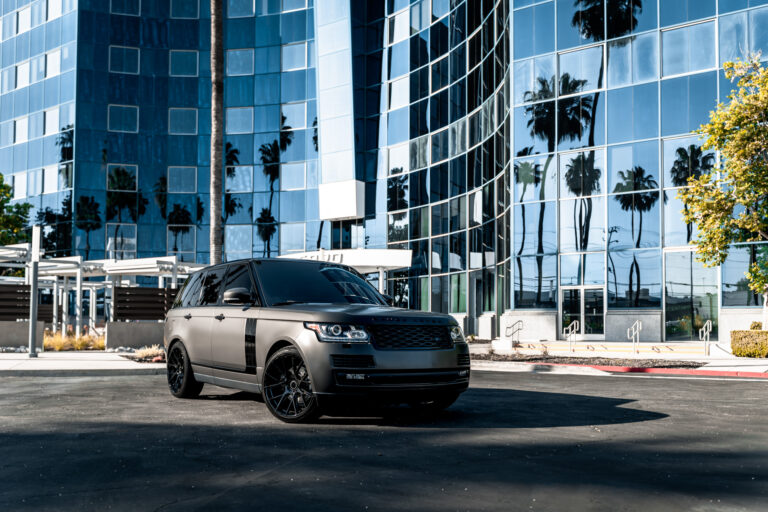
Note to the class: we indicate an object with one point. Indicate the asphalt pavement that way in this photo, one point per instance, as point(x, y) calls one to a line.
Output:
point(514, 441)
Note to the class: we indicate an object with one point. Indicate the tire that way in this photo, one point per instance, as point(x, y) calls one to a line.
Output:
point(287, 387)
point(181, 380)
point(434, 404)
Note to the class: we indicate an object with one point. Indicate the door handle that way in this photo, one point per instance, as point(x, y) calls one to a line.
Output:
point(219, 317)
point(188, 316)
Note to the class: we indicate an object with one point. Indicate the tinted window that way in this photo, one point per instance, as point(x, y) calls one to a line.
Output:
point(189, 295)
point(240, 277)
point(212, 286)
point(286, 281)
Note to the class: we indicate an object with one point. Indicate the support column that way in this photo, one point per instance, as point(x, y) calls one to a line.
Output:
point(79, 303)
point(55, 305)
point(382, 281)
point(65, 306)
point(175, 275)
point(92, 310)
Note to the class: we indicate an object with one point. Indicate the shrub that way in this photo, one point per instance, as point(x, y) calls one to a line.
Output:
point(56, 342)
point(756, 326)
point(149, 352)
point(749, 343)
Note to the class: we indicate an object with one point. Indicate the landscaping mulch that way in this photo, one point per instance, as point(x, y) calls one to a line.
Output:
point(591, 361)
point(150, 359)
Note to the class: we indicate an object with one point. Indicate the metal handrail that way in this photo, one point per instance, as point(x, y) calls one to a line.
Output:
point(704, 334)
point(570, 334)
point(633, 334)
point(513, 329)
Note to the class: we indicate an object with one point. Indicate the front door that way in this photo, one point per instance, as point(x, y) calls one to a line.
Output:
point(587, 306)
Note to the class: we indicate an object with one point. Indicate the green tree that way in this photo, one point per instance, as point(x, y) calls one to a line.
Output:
point(266, 227)
point(13, 217)
point(729, 203)
point(87, 218)
point(690, 162)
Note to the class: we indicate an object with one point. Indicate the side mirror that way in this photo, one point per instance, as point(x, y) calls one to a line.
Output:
point(237, 296)
point(388, 299)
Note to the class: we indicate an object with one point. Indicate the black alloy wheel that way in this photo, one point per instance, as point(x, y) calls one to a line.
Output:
point(287, 388)
point(181, 381)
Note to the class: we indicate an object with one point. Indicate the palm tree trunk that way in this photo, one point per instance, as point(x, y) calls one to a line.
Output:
point(87, 243)
point(542, 210)
point(639, 229)
point(320, 234)
point(217, 128)
point(637, 273)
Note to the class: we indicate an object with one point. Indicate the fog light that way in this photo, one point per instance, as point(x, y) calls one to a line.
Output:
point(464, 373)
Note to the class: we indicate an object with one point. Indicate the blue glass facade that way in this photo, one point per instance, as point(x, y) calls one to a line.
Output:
point(527, 152)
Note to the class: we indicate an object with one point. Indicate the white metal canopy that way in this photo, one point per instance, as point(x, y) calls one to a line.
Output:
point(364, 261)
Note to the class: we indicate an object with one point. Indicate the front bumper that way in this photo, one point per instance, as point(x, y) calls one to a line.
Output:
point(354, 369)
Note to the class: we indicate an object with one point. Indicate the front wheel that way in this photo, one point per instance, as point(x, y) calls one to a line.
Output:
point(287, 388)
point(181, 380)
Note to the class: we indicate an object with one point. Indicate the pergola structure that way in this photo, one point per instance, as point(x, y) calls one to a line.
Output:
point(56, 273)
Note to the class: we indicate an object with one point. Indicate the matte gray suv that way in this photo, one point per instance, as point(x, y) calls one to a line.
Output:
point(305, 334)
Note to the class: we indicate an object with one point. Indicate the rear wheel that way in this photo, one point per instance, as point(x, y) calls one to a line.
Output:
point(287, 388)
point(181, 380)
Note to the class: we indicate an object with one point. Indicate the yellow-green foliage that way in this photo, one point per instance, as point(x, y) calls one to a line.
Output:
point(729, 203)
point(756, 326)
point(57, 343)
point(149, 352)
point(749, 343)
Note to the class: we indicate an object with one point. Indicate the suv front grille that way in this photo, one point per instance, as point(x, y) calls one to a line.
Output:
point(404, 337)
point(462, 359)
point(352, 361)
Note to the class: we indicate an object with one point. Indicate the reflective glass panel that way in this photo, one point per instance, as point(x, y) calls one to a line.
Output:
point(535, 284)
point(582, 224)
point(634, 279)
point(735, 290)
point(690, 296)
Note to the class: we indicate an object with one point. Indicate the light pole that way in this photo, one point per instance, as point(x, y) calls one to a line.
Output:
point(33, 268)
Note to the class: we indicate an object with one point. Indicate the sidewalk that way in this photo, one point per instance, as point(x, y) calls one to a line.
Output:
point(74, 364)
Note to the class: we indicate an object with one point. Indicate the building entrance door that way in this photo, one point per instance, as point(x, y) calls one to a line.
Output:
point(587, 305)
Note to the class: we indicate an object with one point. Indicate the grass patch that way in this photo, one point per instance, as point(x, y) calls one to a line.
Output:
point(57, 343)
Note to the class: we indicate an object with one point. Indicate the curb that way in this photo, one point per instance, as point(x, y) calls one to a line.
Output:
point(83, 373)
point(666, 371)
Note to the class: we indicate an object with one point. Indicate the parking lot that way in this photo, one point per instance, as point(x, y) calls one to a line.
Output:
point(514, 441)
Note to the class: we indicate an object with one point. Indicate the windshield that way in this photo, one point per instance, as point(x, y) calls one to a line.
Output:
point(287, 282)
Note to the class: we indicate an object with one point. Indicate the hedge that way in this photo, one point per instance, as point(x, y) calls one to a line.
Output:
point(749, 343)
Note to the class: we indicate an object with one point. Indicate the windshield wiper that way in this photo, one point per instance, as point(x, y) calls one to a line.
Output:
point(288, 302)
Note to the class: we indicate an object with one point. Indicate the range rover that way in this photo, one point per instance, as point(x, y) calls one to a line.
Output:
point(307, 335)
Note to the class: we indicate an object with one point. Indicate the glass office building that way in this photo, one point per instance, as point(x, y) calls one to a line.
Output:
point(528, 153)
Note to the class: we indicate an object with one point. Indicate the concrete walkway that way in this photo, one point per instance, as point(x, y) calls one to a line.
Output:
point(74, 364)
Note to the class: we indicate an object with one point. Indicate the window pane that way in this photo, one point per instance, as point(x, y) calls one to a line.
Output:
point(53, 63)
point(690, 296)
point(239, 276)
point(535, 229)
point(183, 63)
point(294, 115)
point(121, 178)
point(182, 179)
point(684, 158)
point(294, 56)
point(688, 49)
point(182, 121)
point(123, 118)
point(130, 7)
point(581, 174)
point(582, 224)
point(633, 219)
point(239, 62)
point(634, 279)
point(212, 286)
point(239, 8)
point(184, 8)
point(584, 66)
point(736, 291)
point(733, 37)
point(239, 178)
point(123, 60)
point(535, 284)
point(292, 176)
point(239, 120)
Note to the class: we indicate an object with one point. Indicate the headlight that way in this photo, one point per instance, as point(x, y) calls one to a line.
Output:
point(338, 333)
point(456, 335)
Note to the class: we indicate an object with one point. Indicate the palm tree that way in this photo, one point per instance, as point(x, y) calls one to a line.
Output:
point(691, 162)
point(526, 174)
point(583, 179)
point(179, 220)
point(119, 181)
point(217, 127)
point(633, 181)
point(541, 124)
point(266, 227)
point(57, 241)
point(66, 143)
point(87, 218)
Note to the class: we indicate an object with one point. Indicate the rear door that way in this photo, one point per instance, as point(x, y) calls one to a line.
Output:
point(233, 334)
point(206, 311)
point(189, 325)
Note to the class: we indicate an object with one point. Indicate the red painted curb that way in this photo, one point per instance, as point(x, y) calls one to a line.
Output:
point(667, 371)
